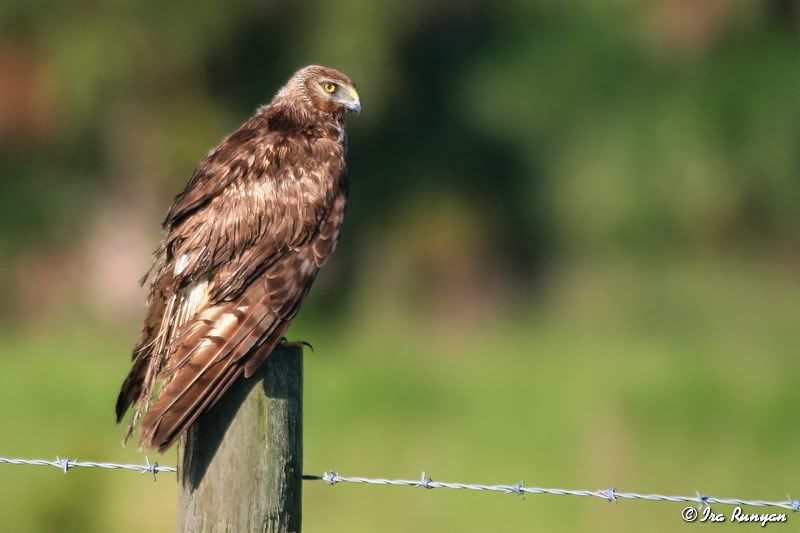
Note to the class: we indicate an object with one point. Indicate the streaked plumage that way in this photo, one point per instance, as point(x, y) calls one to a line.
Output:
point(243, 243)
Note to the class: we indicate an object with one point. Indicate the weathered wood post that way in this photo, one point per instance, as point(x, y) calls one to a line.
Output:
point(241, 464)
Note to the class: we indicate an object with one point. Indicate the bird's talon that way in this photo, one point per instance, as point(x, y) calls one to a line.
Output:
point(284, 343)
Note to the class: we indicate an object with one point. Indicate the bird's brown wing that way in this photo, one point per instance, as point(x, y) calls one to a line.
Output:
point(232, 338)
point(198, 226)
point(210, 353)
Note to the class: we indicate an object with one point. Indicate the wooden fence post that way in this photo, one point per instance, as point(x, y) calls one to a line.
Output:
point(241, 463)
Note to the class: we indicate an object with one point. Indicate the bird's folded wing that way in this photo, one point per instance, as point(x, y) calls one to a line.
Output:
point(222, 342)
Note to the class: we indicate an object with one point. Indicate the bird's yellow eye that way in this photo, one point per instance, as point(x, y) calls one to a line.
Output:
point(330, 88)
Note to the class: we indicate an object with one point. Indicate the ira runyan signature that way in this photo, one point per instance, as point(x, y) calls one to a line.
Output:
point(691, 514)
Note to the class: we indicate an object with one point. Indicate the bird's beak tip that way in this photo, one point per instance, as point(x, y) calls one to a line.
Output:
point(355, 104)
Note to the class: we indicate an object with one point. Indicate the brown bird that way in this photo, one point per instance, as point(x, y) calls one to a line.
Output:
point(242, 245)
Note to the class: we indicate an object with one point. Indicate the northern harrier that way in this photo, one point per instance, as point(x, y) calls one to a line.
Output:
point(242, 245)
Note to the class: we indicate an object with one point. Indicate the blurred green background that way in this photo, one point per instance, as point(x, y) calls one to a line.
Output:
point(571, 256)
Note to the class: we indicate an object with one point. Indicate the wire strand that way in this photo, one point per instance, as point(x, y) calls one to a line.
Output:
point(333, 478)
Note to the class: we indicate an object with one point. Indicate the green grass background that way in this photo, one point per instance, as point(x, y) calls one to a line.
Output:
point(668, 378)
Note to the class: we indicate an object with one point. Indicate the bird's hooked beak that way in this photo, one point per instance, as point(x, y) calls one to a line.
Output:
point(353, 103)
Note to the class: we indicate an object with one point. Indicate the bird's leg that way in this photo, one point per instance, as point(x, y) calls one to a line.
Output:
point(294, 344)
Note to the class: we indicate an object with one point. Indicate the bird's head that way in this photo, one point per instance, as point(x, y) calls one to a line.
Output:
point(326, 89)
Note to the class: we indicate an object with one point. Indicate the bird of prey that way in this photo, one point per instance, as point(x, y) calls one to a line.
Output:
point(242, 245)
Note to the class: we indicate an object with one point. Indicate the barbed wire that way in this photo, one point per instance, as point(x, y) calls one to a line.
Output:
point(425, 482)
point(66, 465)
point(611, 494)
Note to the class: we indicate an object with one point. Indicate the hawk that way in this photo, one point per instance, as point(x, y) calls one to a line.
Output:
point(242, 245)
